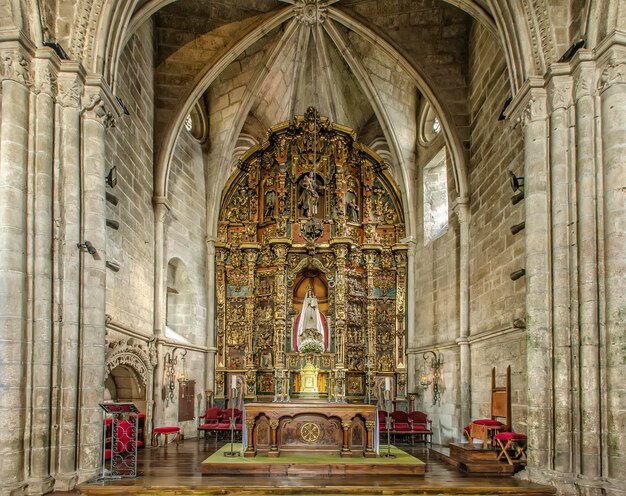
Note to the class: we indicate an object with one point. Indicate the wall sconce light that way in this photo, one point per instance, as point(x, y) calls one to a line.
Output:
point(171, 361)
point(435, 362)
point(182, 378)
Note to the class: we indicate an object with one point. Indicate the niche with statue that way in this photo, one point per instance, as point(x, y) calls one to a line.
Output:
point(310, 270)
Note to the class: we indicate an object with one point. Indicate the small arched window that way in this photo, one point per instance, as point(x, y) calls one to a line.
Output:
point(435, 181)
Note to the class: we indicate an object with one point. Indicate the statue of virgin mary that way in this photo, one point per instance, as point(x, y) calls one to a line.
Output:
point(311, 336)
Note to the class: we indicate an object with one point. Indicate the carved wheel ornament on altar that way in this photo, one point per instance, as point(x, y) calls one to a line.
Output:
point(311, 210)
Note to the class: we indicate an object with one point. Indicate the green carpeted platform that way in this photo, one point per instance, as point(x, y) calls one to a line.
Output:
point(311, 464)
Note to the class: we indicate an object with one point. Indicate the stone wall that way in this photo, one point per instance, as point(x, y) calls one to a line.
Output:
point(129, 147)
point(495, 300)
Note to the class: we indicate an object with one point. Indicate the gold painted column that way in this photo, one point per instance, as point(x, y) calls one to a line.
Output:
point(280, 247)
point(340, 248)
point(251, 250)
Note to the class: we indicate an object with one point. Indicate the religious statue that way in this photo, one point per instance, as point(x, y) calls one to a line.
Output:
point(311, 326)
point(352, 209)
point(270, 204)
point(309, 197)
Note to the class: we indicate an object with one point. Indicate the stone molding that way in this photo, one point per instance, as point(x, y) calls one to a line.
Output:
point(139, 356)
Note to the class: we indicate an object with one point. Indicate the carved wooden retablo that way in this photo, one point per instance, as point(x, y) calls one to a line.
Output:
point(310, 267)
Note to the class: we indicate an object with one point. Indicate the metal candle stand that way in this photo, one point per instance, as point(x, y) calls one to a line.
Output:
point(389, 454)
point(232, 452)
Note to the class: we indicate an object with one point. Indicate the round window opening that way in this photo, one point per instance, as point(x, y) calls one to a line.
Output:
point(189, 123)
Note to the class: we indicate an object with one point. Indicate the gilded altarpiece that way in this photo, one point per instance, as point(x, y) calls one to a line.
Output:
point(311, 270)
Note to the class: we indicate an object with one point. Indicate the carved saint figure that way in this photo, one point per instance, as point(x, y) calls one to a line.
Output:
point(311, 324)
point(352, 209)
point(270, 204)
point(309, 197)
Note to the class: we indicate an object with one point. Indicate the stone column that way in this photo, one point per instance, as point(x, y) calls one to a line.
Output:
point(612, 86)
point(97, 117)
point(529, 105)
point(561, 176)
point(585, 376)
point(43, 112)
point(161, 209)
point(14, 78)
point(411, 338)
point(463, 215)
point(67, 215)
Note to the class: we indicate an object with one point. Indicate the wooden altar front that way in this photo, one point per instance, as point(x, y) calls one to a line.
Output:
point(306, 427)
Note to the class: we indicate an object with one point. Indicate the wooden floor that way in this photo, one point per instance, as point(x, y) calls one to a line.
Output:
point(177, 470)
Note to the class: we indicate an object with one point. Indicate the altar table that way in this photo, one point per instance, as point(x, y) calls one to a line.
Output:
point(310, 427)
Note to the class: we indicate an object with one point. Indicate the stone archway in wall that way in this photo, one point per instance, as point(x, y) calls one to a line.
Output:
point(129, 372)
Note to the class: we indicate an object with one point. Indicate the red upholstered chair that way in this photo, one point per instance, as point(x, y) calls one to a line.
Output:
point(223, 424)
point(209, 421)
point(400, 421)
point(421, 426)
point(382, 421)
point(512, 446)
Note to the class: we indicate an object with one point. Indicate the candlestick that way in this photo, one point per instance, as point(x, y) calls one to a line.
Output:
point(387, 384)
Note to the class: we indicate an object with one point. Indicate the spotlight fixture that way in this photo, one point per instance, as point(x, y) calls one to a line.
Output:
point(518, 227)
point(57, 48)
point(111, 177)
point(91, 249)
point(122, 105)
point(516, 182)
point(517, 274)
point(502, 115)
point(571, 51)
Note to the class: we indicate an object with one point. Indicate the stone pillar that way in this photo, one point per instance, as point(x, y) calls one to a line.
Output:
point(529, 105)
point(612, 88)
point(14, 78)
point(561, 176)
point(97, 117)
point(585, 376)
point(411, 338)
point(40, 256)
point(463, 215)
point(161, 209)
point(67, 214)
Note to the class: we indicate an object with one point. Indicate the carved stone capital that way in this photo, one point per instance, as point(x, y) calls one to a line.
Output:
point(15, 66)
point(613, 72)
point(70, 88)
point(95, 107)
point(560, 94)
point(45, 77)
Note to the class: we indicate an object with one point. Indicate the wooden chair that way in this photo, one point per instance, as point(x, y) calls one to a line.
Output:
point(421, 426)
point(500, 420)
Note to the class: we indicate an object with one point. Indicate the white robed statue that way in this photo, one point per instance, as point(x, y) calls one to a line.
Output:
point(311, 326)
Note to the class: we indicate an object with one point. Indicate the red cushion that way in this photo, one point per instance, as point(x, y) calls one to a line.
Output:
point(507, 436)
point(488, 422)
point(401, 426)
point(166, 429)
point(107, 454)
point(467, 428)
point(212, 425)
